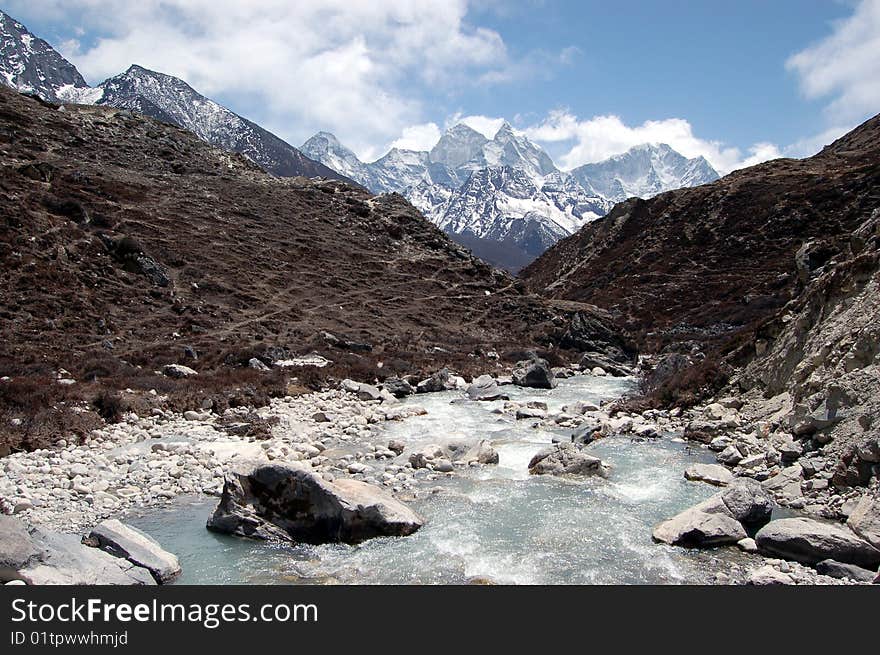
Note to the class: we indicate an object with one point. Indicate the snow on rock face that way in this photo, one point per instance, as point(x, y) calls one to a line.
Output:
point(500, 203)
point(30, 65)
point(174, 101)
point(644, 171)
point(505, 189)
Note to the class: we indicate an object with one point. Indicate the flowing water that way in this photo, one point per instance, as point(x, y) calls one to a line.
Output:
point(495, 523)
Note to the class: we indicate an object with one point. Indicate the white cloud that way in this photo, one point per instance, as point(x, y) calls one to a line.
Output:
point(600, 137)
point(418, 137)
point(355, 67)
point(845, 66)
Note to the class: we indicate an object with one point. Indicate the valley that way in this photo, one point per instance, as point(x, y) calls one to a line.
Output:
point(459, 365)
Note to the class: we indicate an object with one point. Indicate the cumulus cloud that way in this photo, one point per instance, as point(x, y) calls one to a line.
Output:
point(844, 66)
point(418, 137)
point(351, 66)
point(600, 137)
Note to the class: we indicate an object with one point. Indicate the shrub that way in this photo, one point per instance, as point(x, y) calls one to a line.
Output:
point(110, 406)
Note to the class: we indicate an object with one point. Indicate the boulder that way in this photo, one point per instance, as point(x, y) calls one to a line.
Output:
point(129, 543)
point(482, 453)
point(368, 392)
point(398, 387)
point(709, 523)
point(443, 465)
point(263, 500)
point(843, 571)
point(710, 473)
point(587, 433)
point(748, 502)
point(810, 541)
point(396, 446)
point(590, 361)
point(257, 364)
point(67, 561)
point(767, 575)
point(864, 520)
point(535, 373)
point(419, 458)
point(721, 519)
point(178, 371)
point(580, 407)
point(17, 549)
point(566, 459)
point(485, 388)
point(439, 381)
point(730, 456)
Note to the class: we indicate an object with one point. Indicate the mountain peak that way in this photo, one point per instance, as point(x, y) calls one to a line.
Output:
point(463, 130)
point(505, 131)
point(30, 65)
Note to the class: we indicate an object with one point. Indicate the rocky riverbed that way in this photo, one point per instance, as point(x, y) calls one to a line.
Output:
point(365, 433)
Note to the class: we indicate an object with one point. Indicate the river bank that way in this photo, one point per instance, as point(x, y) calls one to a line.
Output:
point(485, 522)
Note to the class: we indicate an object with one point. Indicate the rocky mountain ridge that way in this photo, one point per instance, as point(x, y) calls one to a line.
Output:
point(30, 65)
point(504, 197)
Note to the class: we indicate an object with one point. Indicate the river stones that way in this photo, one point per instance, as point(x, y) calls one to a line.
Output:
point(264, 500)
point(481, 453)
point(129, 543)
point(442, 380)
point(810, 541)
point(719, 520)
point(65, 560)
point(843, 571)
point(17, 549)
point(420, 458)
point(707, 524)
point(566, 459)
point(398, 387)
point(534, 373)
point(485, 388)
point(865, 520)
point(714, 474)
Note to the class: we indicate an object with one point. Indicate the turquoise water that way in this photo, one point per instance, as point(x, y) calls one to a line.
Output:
point(494, 524)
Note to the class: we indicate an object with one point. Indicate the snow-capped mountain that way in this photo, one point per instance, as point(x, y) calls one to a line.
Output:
point(644, 171)
point(325, 148)
point(483, 192)
point(504, 204)
point(172, 100)
point(30, 65)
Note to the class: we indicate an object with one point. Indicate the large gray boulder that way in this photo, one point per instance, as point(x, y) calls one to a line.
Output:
point(865, 520)
point(719, 520)
point(263, 500)
point(534, 373)
point(566, 459)
point(129, 543)
point(67, 561)
point(810, 541)
point(485, 388)
point(17, 548)
point(843, 571)
point(748, 502)
point(707, 524)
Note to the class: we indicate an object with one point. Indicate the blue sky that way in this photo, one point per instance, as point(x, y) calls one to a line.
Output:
point(734, 81)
